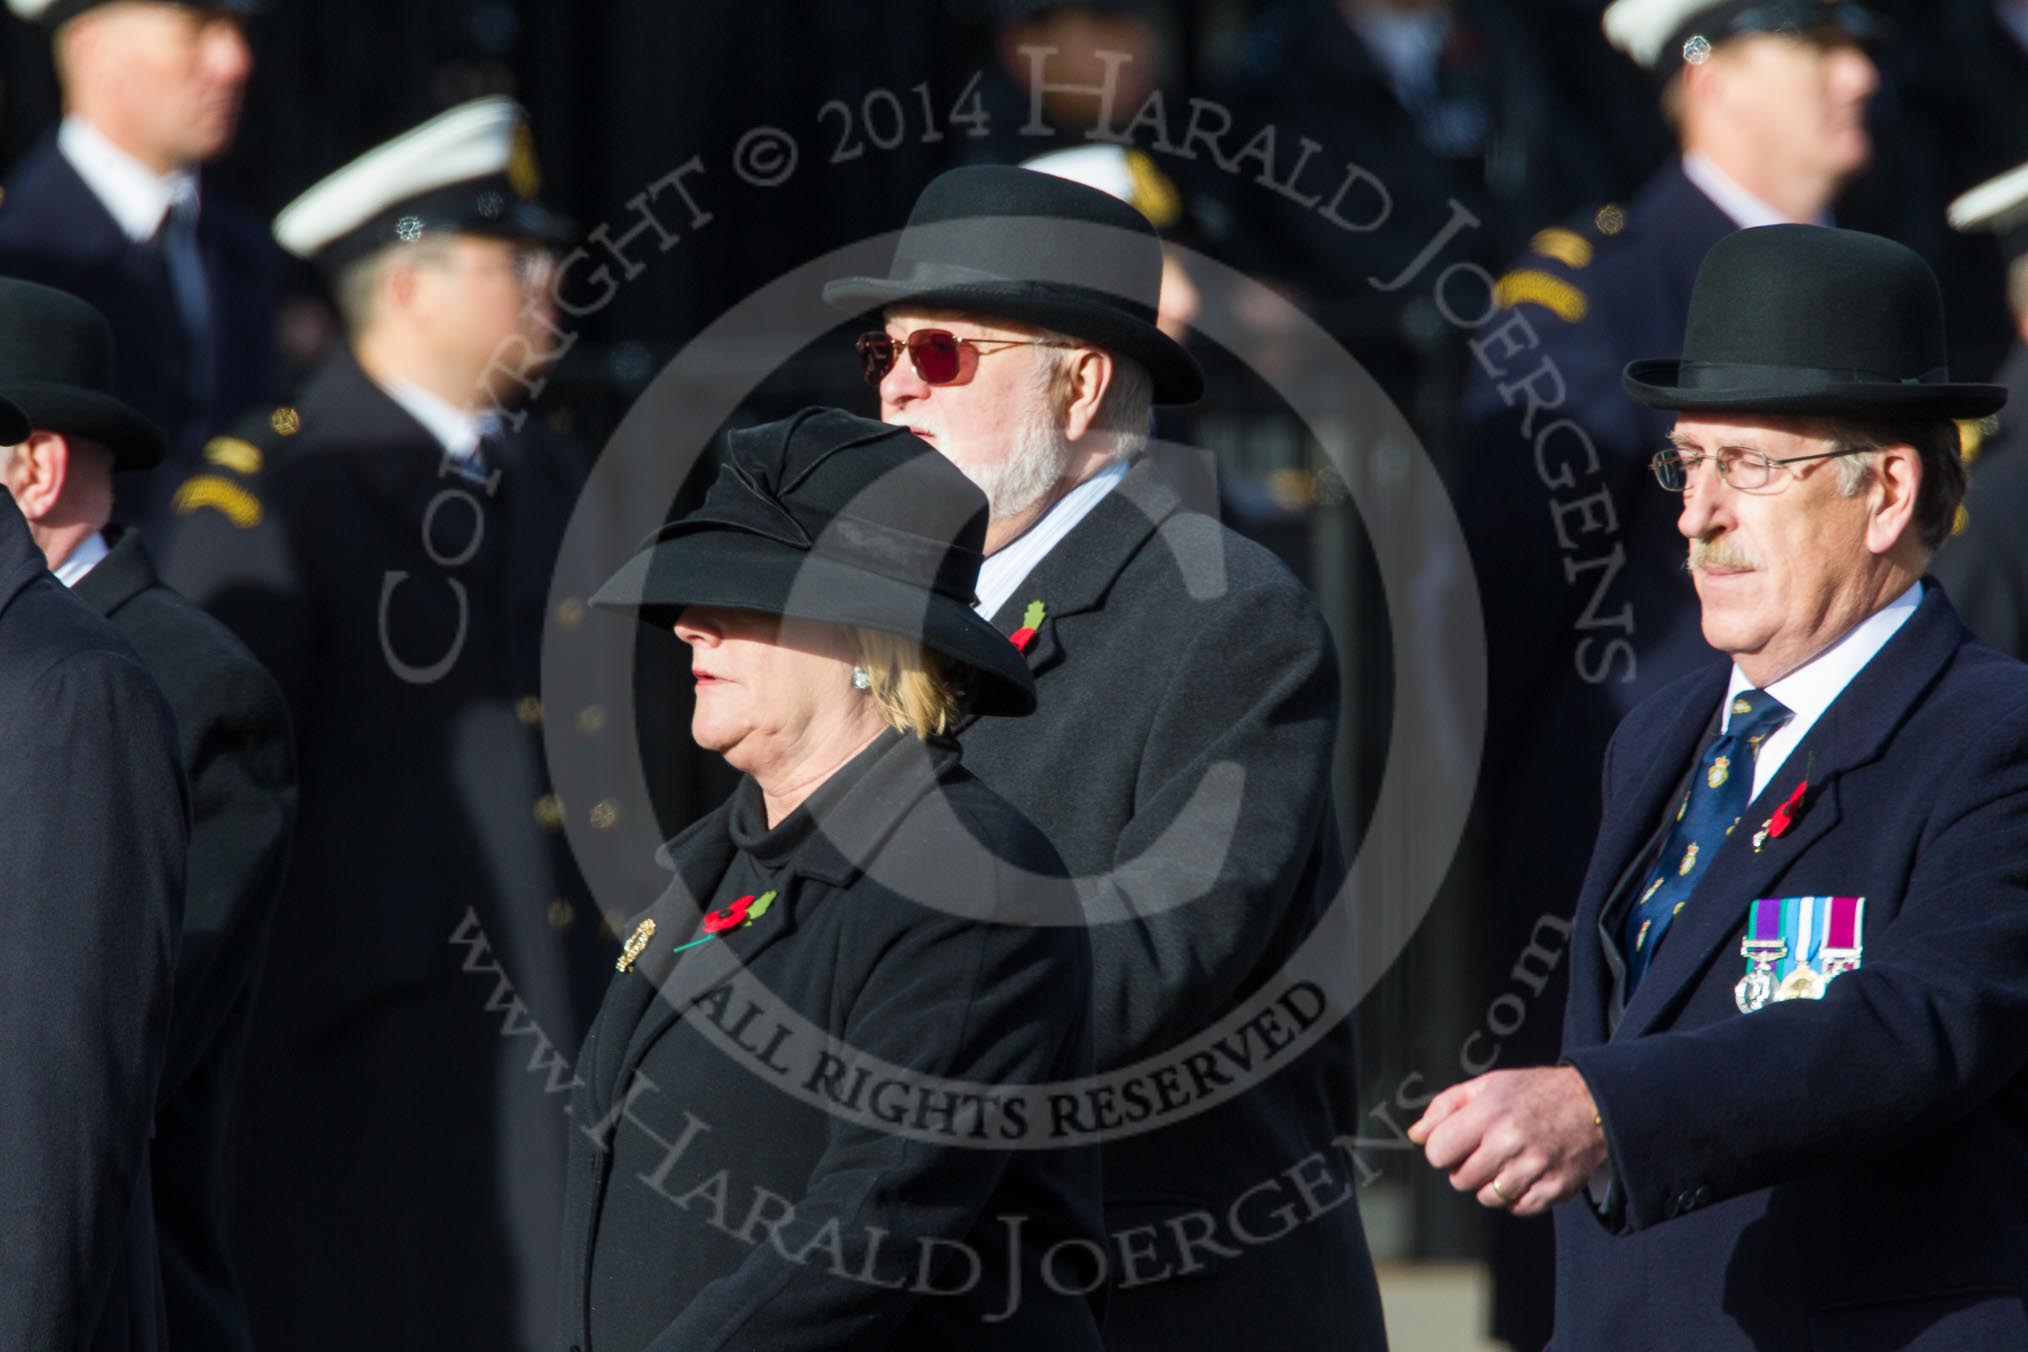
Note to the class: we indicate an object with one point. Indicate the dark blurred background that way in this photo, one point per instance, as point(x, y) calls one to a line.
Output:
point(1528, 120)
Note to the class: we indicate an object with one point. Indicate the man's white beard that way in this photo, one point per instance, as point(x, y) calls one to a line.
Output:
point(1036, 463)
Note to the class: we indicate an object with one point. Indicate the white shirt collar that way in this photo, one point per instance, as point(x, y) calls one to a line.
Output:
point(1006, 568)
point(1724, 190)
point(89, 552)
point(1810, 689)
point(135, 195)
point(456, 430)
point(1406, 46)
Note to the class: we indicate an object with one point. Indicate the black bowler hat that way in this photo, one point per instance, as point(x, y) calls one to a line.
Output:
point(52, 13)
point(1810, 320)
point(468, 171)
point(828, 516)
point(1010, 243)
point(56, 366)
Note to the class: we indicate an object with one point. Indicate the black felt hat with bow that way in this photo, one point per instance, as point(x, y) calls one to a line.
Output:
point(829, 516)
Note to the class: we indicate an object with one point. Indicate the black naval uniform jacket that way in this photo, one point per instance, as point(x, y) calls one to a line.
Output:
point(1172, 652)
point(55, 230)
point(93, 827)
point(1849, 1172)
point(239, 758)
point(396, 1171)
point(1984, 565)
point(672, 1243)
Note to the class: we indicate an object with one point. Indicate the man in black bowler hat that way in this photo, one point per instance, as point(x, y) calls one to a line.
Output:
point(1792, 1108)
point(93, 829)
point(384, 543)
point(1586, 611)
point(56, 363)
point(1179, 758)
point(111, 207)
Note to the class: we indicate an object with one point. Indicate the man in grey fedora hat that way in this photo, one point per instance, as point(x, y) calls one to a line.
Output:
point(56, 361)
point(1792, 1109)
point(1019, 338)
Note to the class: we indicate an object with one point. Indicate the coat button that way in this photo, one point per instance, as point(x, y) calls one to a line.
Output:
point(591, 719)
point(529, 710)
point(603, 814)
point(549, 812)
point(1672, 1206)
point(561, 913)
point(1703, 1194)
point(570, 612)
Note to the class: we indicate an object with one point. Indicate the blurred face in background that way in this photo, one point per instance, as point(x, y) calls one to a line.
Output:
point(1800, 102)
point(164, 82)
point(1085, 38)
point(482, 303)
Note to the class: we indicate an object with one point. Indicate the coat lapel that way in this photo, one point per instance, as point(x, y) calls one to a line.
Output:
point(124, 573)
point(645, 1002)
point(1851, 733)
point(20, 561)
point(699, 857)
point(669, 981)
point(1075, 575)
point(1628, 828)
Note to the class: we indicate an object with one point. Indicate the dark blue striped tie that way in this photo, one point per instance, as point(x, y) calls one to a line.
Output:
point(1719, 793)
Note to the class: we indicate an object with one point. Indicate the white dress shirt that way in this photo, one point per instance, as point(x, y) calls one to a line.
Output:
point(82, 560)
point(134, 195)
point(1809, 689)
point(1724, 190)
point(1007, 567)
point(458, 431)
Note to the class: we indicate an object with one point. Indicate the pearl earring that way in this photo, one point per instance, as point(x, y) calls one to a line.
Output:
point(860, 679)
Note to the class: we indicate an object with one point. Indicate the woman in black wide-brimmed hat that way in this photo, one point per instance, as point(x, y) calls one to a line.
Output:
point(790, 1130)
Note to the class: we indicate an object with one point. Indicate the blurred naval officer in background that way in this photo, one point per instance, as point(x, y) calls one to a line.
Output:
point(385, 543)
point(56, 363)
point(1985, 566)
point(111, 207)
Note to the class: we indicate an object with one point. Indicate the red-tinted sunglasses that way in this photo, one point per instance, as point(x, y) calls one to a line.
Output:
point(933, 352)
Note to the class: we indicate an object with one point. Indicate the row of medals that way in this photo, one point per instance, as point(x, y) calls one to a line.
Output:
point(1757, 987)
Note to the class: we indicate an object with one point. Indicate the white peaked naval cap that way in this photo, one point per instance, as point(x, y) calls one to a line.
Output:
point(1664, 35)
point(469, 171)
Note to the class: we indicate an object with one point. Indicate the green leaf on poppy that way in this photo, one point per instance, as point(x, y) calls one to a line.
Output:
point(1031, 618)
point(760, 906)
